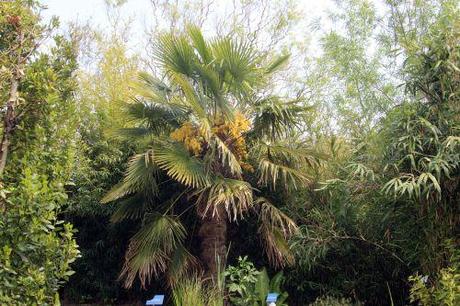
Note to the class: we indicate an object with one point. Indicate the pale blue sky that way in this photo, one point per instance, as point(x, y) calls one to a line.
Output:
point(141, 12)
point(69, 10)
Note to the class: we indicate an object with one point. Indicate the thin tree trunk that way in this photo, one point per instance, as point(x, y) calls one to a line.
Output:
point(213, 234)
point(9, 121)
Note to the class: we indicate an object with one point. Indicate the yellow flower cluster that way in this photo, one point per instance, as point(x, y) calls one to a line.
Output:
point(231, 132)
point(190, 136)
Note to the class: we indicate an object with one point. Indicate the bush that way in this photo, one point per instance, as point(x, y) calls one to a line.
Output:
point(444, 291)
point(248, 286)
point(36, 249)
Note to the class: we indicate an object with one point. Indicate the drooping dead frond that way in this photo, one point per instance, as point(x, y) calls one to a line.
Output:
point(270, 173)
point(226, 156)
point(181, 265)
point(275, 229)
point(234, 195)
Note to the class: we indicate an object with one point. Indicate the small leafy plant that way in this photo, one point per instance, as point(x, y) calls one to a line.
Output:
point(249, 287)
point(445, 290)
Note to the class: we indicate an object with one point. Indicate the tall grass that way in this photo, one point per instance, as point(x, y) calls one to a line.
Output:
point(193, 291)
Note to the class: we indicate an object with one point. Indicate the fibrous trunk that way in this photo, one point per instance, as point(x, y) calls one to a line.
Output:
point(213, 234)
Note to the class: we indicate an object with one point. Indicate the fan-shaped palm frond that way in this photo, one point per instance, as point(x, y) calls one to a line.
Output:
point(213, 90)
point(280, 163)
point(234, 195)
point(181, 266)
point(194, 101)
point(200, 45)
point(156, 118)
point(277, 63)
point(150, 249)
point(141, 176)
point(275, 228)
point(176, 54)
point(274, 118)
point(238, 65)
point(131, 208)
point(179, 165)
point(152, 89)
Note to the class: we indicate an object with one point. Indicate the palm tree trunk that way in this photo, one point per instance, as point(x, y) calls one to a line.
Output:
point(213, 234)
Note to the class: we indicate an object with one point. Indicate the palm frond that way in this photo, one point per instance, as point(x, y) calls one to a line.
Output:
point(275, 228)
point(275, 118)
point(150, 249)
point(133, 207)
point(179, 165)
point(193, 101)
point(156, 118)
point(176, 54)
point(237, 62)
point(270, 214)
point(234, 195)
point(152, 88)
point(199, 43)
point(271, 173)
point(226, 155)
point(213, 90)
point(277, 63)
point(280, 163)
point(181, 265)
point(140, 176)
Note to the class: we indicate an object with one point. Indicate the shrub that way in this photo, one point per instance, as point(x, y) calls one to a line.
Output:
point(444, 291)
point(248, 286)
point(36, 248)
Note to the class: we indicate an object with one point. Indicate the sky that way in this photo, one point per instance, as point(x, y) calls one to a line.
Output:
point(69, 10)
point(140, 11)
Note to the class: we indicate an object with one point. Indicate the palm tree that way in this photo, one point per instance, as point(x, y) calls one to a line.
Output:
point(211, 135)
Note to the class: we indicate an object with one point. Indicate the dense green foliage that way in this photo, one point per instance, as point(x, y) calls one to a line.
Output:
point(393, 198)
point(36, 247)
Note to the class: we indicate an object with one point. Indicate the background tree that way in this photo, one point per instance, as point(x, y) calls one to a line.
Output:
point(105, 78)
point(36, 247)
point(390, 201)
point(21, 35)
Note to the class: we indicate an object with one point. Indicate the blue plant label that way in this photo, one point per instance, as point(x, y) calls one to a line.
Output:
point(272, 297)
point(157, 300)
